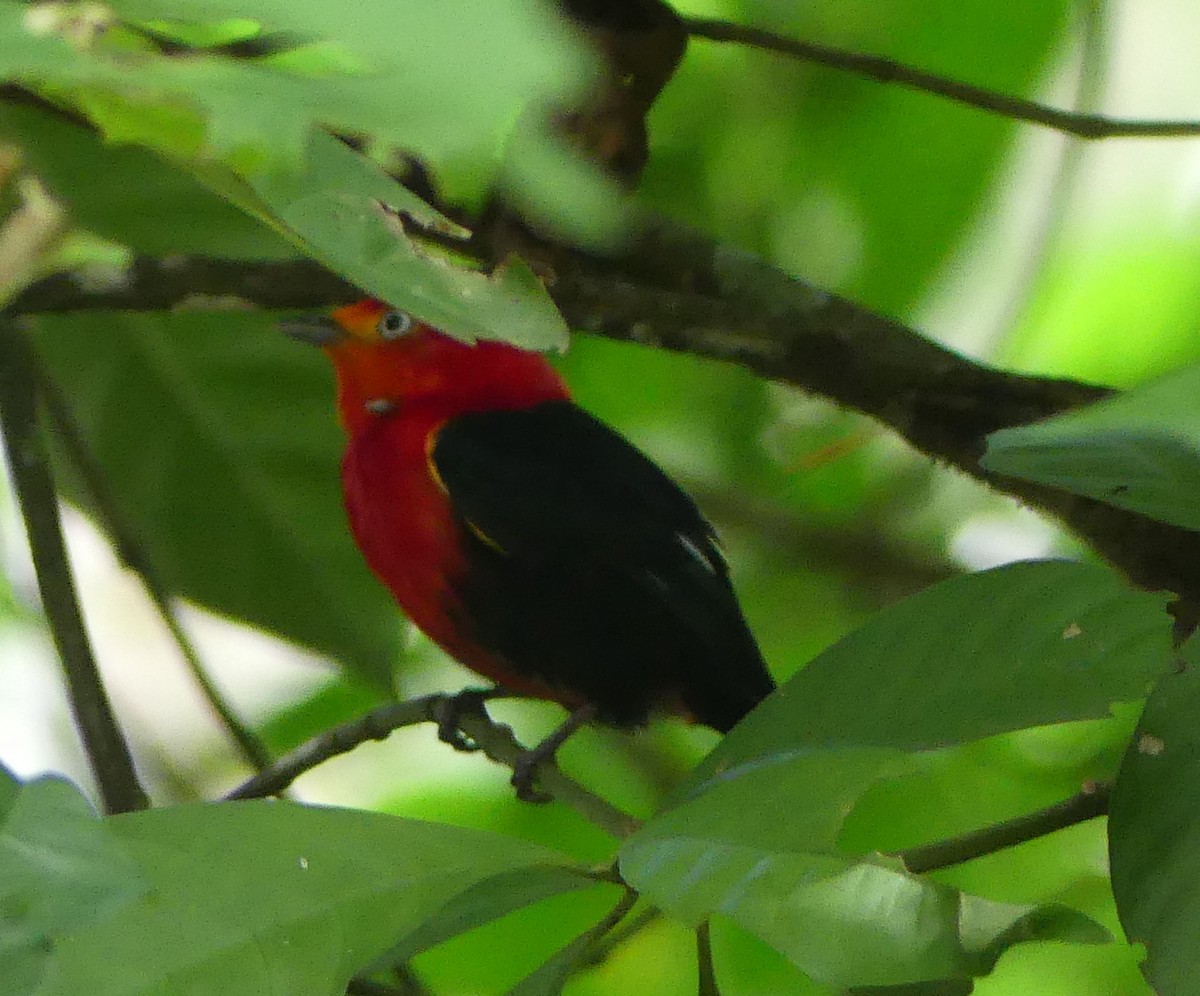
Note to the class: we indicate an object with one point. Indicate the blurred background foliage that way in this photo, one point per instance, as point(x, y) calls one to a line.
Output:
point(1014, 245)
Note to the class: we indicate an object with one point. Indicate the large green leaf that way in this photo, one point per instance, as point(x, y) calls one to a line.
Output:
point(1139, 450)
point(755, 833)
point(252, 898)
point(219, 443)
point(1154, 832)
point(61, 870)
point(1018, 646)
point(441, 80)
point(334, 205)
point(132, 196)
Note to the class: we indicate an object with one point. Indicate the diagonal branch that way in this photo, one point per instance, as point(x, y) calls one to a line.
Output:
point(676, 289)
point(884, 70)
point(1090, 802)
point(495, 740)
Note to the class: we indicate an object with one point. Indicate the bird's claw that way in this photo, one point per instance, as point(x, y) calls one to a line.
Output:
point(525, 768)
point(524, 776)
point(449, 710)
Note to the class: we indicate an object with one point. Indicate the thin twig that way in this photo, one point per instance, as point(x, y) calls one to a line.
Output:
point(595, 936)
point(494, 740)
point(1086, 805)
point(378, 724)
point(704, 962)
point(620, 935)
point(134, 554)
point(885, 70)
point(103, 741)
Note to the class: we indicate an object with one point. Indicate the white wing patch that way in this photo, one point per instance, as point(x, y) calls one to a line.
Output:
point(706, 561)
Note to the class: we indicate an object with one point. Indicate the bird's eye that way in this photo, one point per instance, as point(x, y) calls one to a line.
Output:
point(393, 324)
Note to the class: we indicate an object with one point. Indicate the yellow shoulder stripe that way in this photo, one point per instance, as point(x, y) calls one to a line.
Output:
point(431, 464)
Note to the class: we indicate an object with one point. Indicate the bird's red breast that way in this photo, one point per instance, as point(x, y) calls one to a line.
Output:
point(393, 398)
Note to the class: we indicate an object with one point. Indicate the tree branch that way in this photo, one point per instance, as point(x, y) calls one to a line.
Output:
point(28, 234)
point(882, 70)
point(495, 740)
point(676, 289)
point(103, 741)
point(1091, 802)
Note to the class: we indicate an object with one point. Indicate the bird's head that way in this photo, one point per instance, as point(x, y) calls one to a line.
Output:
point(387, 360)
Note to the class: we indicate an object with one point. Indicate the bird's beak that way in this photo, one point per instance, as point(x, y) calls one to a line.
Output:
point(316, 330)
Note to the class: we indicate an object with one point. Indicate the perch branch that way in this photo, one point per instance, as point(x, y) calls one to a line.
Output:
point(883, 70)
point(495, 740)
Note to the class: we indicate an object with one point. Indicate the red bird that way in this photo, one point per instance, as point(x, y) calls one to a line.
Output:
point(529, 540)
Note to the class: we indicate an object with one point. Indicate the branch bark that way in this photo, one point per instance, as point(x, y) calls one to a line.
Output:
point(1086, 805)
point(676, 289)
point(494, 740)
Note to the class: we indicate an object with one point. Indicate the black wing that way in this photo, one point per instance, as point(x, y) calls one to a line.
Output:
point(591, 571)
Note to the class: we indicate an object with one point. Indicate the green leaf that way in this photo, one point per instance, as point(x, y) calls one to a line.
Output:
point(128, 195)
point(1139, 450)
point(989, 929)
point(251, 898)
point(840, 922)
point(334, 205)
point(1154, 832)
point(550, 977)
point(218, 440)
point(435, 77)
point(755, 833)
point(943, 667)
point(61, 870)
point(1019, 646)
point(440, 81)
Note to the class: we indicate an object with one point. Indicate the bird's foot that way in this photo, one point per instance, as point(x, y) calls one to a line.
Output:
point(525, 767)
point(450, 709)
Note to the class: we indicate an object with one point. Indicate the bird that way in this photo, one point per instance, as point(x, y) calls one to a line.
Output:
point(533, 543)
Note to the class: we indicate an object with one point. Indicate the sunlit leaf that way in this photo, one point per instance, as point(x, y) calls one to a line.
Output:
point(755, 833)
point(442, 81)
point(131, 196)
point(336, 204)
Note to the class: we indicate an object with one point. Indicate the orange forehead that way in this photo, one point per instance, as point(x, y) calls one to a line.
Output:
point(361, 318)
